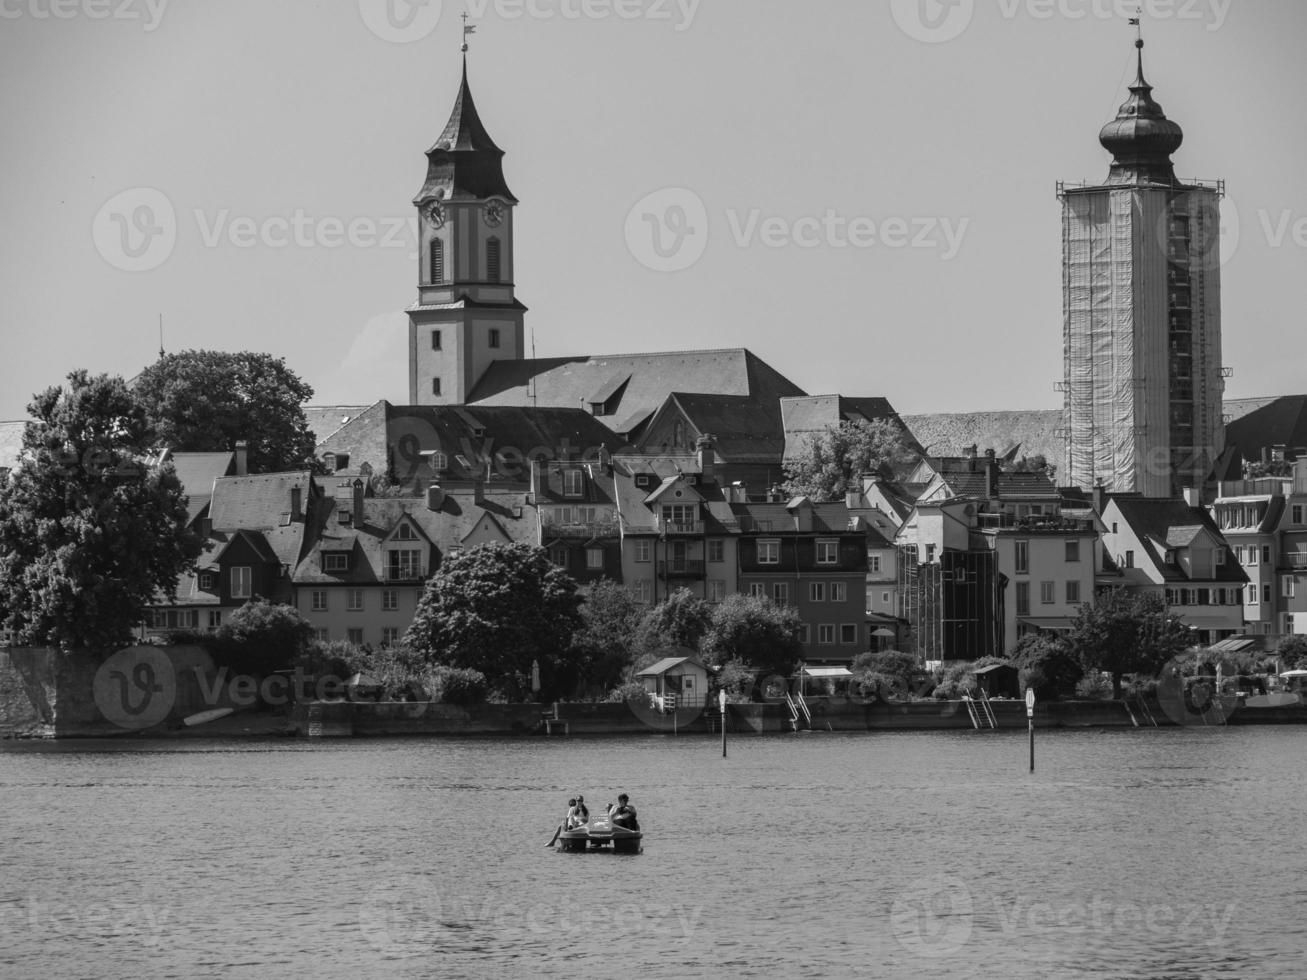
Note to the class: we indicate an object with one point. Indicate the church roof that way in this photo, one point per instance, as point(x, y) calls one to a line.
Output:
point(574, 382)
point(464, 163)
point(1141, 139)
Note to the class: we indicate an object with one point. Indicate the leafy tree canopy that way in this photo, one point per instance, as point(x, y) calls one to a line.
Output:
point(1127, 633)
point(827, 465)
point(90, 528)
point(1048, 665)
point(497, 609)
point(207, 401)
point(604, 645)
point(755, 630)
point(1292, 652)
point(680, 620)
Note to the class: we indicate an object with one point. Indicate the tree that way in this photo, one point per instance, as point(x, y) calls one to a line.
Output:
point(828, 464)
point(755, 630)
point(885, 672)
point(1048, 665)
point(604, 645)
point(1292, 652)
point(1035, 464)
point(90, 528)
point(497, 609)
point(1127, 633)
point(261, 636)
point(679, 621)
point(206, 401)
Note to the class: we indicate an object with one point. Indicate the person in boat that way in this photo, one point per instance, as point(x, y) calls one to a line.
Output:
point(582, 809)
point(623, 815)
point(573, 818)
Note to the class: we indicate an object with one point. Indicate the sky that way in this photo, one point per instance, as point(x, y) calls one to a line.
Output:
point(864, 194)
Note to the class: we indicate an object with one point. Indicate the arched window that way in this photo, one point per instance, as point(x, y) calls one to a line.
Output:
point(493, 269)
point(437, 260)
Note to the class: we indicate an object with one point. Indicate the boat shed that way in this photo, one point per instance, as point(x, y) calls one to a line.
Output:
point(999, 681)
point(684, 677)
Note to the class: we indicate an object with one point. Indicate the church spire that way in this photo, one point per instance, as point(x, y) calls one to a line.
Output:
point(1141, 139)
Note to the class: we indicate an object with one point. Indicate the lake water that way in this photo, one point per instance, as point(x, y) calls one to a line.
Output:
point(1141, 854)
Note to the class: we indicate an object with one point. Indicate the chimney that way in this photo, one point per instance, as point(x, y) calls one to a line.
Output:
point(991, 475)
point(1099, 498)
point(479, 492)
point(1193, 496)
point(242, 458)
point(435, 497)
point(605, 459)
point(358, 503)
point(296, 503)
point(707, 459)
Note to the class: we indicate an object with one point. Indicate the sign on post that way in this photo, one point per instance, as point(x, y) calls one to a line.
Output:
point(1030, 702)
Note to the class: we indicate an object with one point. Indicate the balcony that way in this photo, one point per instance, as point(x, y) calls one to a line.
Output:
point(1294, 561)
point(689, 568)
point(1034, 524)
point(406, 573)
point(679, 527)
point(581, 529)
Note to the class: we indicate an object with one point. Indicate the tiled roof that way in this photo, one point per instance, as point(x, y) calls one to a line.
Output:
point(1279, 422)
point(263, 503)
point(1032, 433)
point(569, 382)
point(1011, 486)
point(1165, 519)
point(447, 528)
point(197, 473)
point(324, 420)
point(743, 427)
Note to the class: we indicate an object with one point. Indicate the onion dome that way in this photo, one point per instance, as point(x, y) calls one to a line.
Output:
point(464, 164)
point(1141, 139)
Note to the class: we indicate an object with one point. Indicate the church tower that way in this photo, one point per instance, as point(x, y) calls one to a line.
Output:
point(1143, 380)
point(467, 315)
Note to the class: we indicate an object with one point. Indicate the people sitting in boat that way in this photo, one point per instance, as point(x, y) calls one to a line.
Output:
point(623, 815)
point(582, 809)
point(573, 818)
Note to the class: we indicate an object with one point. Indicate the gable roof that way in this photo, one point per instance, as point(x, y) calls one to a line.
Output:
point(261, 502)
point(668, 663)
point(571, 382)
point(744, 428)
point(810, 415)
point(1171, 522)
point(198, 472)
point(323, 420)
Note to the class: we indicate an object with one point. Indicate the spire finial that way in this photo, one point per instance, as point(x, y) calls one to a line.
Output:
point(468, 29)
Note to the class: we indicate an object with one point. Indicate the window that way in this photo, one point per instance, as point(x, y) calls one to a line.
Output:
point(643, 549)
point(1252, 595)
point(826, 634)
point(390, 600)
point(873, 563)
point(389, 636)
point(1220, 556)
point(1298, 512)
point(1047, 594)
point(1203, 598)
point(816, 591)
point(558, 555)
point(354, 600)
point(769, 551)
point(241, 579)
point(401, 565)
point(319, 600)
point(1023, 598)
point(176, 619)
point(716, 590)
point(680, 515)
point(758, 590)
point(839, 592)
point(1072, 591)
point(206, 581)
point(1266, 592)
point(573, 483)
point(435, 340)
point(828, 551)
point(494, 338)
point(594, 558)
point(930, 553)
point(1129, 559)
point(805, 634)
point(437, 262)
point(885, 598)
point(1185, 597)
point(322, 636)
point(1266, 554)
point(1021, 554)
point(335, 561)
point(215, 618)
point(1073, 551)
point(354, 636)
point(849, 633)
point(717, 550)
point(641, 590)
point(435, 386)
point(780, 593)
point(405, 532)
point(1289, 587)
point(492, 260)
point(1114, 527)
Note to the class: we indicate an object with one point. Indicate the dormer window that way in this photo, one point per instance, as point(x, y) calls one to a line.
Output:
point(405, 532)
point(1168, 557)
point(1220, 556)
point(573, 483)
point(643, 480)
point(205, 581)
point(335, 561)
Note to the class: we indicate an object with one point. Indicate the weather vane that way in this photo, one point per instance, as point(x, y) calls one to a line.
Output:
point(468, 29)
point(1137, 22)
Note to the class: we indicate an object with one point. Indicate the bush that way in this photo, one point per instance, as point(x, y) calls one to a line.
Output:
point(632, 692)
point(886, 674)
point(738, 680)
point(1047, 665)
point(954, 681)
point(457, 685)
point(1095, 686)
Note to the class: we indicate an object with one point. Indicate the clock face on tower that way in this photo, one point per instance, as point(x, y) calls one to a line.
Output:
point(434, 211)
point(494, 214)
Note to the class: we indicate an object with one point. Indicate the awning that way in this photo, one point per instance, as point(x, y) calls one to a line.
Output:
point(882, 631)
point(1231, 644)
point(828, 671)
point(1062, 624)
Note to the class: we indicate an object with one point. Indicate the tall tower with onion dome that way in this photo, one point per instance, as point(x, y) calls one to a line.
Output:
point(467, 315)
point(1143, 379)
